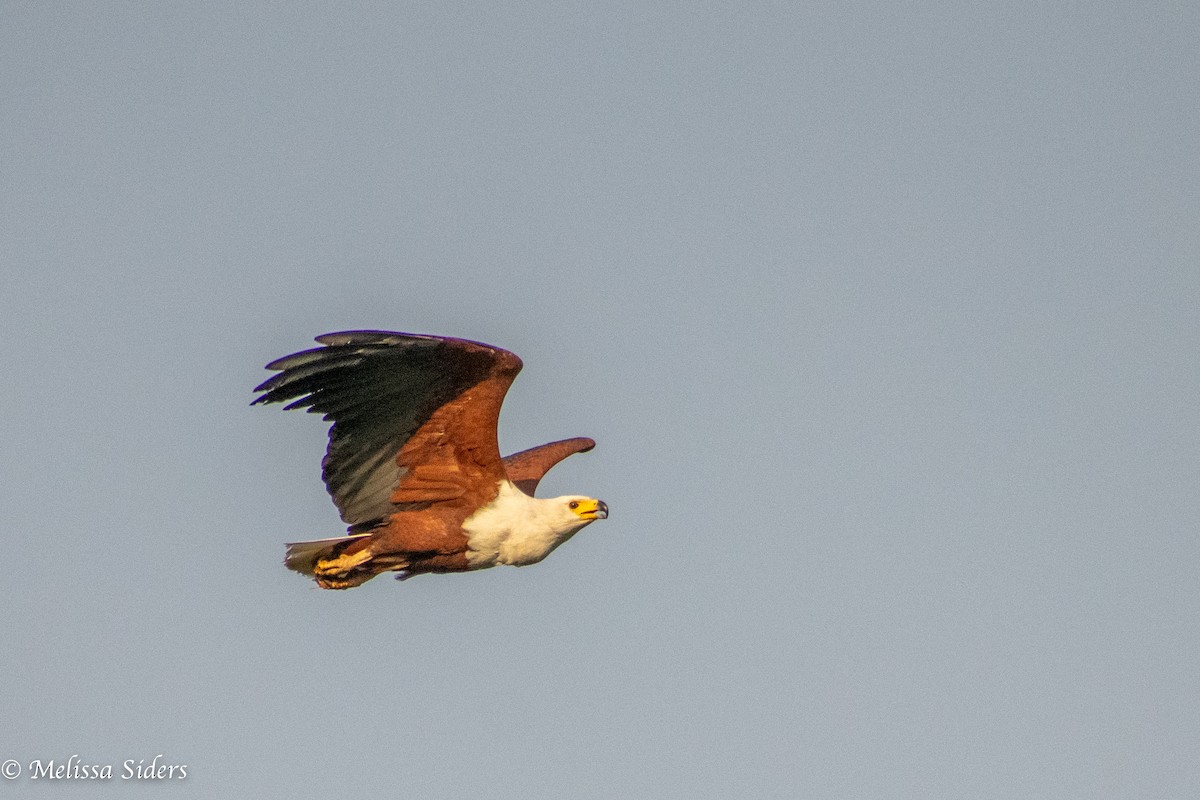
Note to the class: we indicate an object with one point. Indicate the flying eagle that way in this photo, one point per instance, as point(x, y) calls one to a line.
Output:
point(413, 462)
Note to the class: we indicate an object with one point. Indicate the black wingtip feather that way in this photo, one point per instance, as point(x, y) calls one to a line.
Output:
point(342, 338)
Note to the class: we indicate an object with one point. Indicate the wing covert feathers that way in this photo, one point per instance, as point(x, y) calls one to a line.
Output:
point(414, 416)
point(528, 467)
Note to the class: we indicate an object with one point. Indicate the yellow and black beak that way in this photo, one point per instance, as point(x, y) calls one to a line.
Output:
point(591, 509)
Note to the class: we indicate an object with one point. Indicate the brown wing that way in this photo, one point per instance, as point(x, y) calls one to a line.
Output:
point(527, 467)
point(414, 417)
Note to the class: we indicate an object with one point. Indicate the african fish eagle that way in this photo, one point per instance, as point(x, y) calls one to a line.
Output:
point(413, 462)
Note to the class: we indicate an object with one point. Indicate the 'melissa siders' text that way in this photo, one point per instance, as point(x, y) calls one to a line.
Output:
point(74, 768)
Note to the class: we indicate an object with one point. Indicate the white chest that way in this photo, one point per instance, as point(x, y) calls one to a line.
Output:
point(516, 529)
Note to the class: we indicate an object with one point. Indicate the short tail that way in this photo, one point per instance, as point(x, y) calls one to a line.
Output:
point(303, 556)
point(334, 563)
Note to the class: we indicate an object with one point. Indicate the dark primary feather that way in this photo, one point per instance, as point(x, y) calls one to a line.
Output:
point(377, 388)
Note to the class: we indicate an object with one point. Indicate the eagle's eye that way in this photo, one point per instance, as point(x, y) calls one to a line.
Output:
point(574, 504)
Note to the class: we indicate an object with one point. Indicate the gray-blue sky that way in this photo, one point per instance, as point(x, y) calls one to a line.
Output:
point(884, 317)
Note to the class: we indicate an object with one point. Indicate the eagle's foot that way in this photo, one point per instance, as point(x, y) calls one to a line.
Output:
point(340, 564)
point(347, 581)
point(343, 571)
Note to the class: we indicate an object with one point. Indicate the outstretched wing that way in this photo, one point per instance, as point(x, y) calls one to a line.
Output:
point(528, 467)
point(414, 417)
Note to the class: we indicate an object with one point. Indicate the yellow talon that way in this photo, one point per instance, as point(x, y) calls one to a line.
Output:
point(340, 565)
